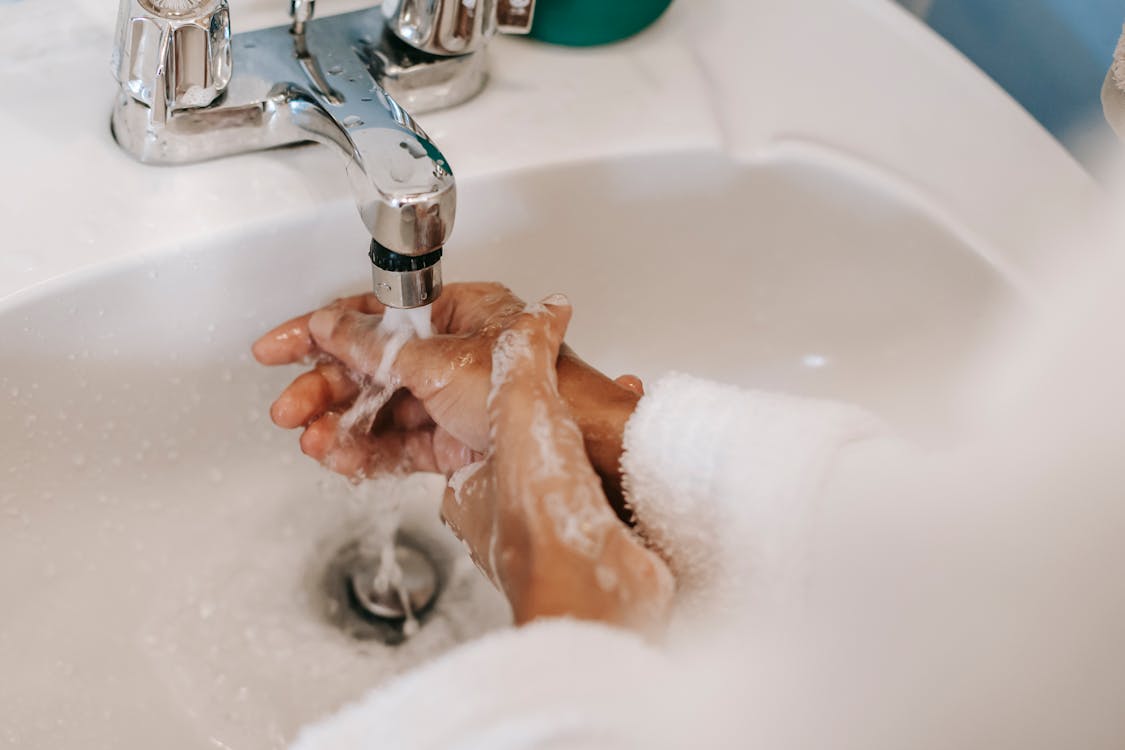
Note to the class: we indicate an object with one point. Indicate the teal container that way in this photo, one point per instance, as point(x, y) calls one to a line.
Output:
point(586, 23)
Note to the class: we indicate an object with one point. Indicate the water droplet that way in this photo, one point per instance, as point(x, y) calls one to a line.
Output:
point(352, 121)
point(335, 70)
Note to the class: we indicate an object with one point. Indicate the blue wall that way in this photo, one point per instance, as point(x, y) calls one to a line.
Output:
point(1051, 55)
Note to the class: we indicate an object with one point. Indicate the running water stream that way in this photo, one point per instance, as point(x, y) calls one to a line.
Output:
point(378, 540)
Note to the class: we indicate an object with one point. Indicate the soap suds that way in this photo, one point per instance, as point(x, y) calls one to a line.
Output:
point(551, 464)
point(462, 475)
point(581, 520)
point(512, 348)
point(606, 577)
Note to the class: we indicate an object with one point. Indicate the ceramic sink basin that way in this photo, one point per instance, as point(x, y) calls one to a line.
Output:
point(163, 545)
point(815, 196)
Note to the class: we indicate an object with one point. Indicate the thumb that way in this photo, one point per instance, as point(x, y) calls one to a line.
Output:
point(532, 341)
point(558, 317)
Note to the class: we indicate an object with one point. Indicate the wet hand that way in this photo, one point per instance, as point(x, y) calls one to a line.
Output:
point(533, 514)
point(439, 422)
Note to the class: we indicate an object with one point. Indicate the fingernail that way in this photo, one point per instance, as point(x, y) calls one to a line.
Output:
point(557, 300)
point(321, 323)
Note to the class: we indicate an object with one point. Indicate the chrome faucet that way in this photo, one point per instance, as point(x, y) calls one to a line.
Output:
point(191, 91)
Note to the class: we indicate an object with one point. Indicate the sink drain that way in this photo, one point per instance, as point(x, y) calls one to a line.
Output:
point(367, 608)
point(383, 600)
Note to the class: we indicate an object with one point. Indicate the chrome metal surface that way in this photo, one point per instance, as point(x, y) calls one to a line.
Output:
point(419, 584)
point(172, 55)
point(301, 11)
point(456, 27)
point(322, 85)
point(341, 81)
point(407, 289)
point(344, 81)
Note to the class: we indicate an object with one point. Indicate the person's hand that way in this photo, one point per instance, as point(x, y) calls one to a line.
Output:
point(533, 513)
point(440, 423)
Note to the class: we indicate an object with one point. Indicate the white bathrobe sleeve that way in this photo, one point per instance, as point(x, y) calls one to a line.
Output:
point(549, 685)
point(723, 482)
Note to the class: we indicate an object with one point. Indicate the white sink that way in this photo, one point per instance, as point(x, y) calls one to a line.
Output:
point(162, 544)
point(815, 196)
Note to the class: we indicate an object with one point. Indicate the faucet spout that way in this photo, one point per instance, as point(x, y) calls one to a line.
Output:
point(337, 81)
point(403, 185)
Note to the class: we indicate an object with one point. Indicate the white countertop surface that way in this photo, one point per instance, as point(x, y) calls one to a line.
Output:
point(859, 79)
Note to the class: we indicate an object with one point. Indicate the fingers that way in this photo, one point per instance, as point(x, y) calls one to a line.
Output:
point(468, 508)
point(450, 454)
point(290, 342)
point(356, 339)
point(312, 394)
point(465, 308)
point(408, 413)
point(524, 356)
point(395, 452)
point(631, 383)
point(525, 353)
point(321, 441)
point(460, 309)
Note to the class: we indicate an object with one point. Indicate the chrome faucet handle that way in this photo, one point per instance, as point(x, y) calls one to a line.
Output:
point(456, 27)
point(301, 11)
point(172, 54)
